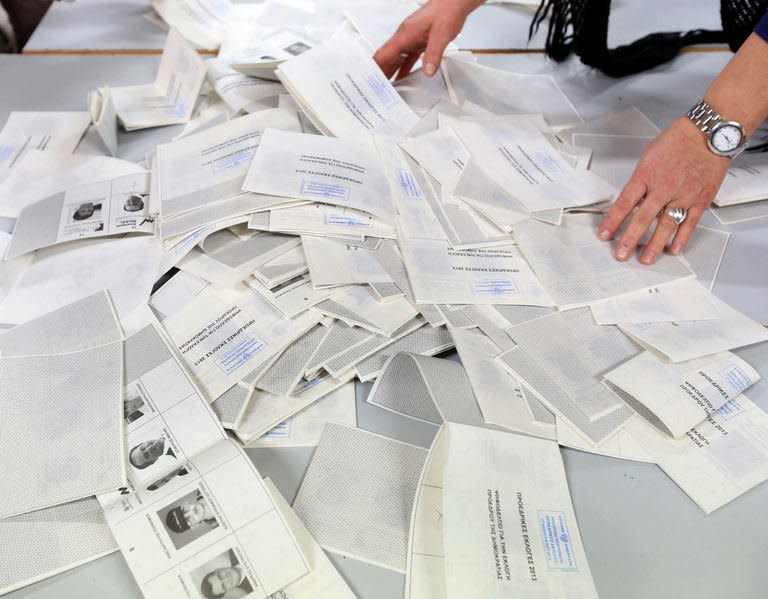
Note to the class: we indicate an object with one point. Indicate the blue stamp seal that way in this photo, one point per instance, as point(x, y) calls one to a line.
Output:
point(408, 183)
point(233, 160)
point(495, 287)
point(736, 378)
point(237, 355)
point(347, 220)
point(730, 409)
point(558, 548)
point(325, 191)
point(382, 88)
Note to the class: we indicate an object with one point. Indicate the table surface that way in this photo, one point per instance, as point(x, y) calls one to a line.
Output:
point(113, 25)
point(644, 538)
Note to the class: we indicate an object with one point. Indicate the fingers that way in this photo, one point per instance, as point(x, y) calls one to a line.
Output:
point(639, 224)
point(410, 37)
point(629, 197)
point(685, 231)
point(390, 57)
point(407, 65)
point(441, 34)
point(665, 228)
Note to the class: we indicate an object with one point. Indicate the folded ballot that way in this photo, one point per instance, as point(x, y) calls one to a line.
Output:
point(171, 98)
point(92, 210)
point(344, 92)
point(321, 169)
point(266, 54)
point(201, 22)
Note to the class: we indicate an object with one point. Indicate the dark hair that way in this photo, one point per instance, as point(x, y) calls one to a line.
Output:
point(207, 589)
point(176, 521)
point(135, 465)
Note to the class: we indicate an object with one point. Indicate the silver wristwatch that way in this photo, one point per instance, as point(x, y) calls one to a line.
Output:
point(724, 138)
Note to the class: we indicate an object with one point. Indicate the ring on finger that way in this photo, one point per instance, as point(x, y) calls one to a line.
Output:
point(677, 214)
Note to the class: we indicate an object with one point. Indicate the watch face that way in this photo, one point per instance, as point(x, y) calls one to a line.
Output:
point(727, 137)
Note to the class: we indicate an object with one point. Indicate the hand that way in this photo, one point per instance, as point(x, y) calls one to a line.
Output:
point(676, 169)
point(428, 30)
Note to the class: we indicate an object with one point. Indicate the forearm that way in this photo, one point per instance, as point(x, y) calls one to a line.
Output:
point(740, 91)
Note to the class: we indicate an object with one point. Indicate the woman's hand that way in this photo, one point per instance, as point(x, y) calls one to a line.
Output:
point(428, 30)
point(677, 169)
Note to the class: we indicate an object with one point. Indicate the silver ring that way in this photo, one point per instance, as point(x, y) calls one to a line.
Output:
point(677, 214)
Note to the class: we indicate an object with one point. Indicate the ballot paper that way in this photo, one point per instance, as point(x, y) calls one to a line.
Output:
point(687, 340)
point(569, 382)
point(171, 98)
point(323, 580)
point(357, 495)
point(325, 220)
point(678, 397)
point(37, 175)
point(55, 132)
point(704, 253)
point(230, 406)
point(62, 426)
point(501, 397)
point(285, 374)
point(206, 532)
point(344, 92)
point(305, 428)
point(92, 210)
point(508, 522)
point(425, 564)
point(265, 410)
point(201, 22)
point(47, 542)
point(266, 53)
point(685, 299)
point(240, 92)
point(320, 169)
point(104, 117)
point(284, 267)
point(514, 152)
point(440, 153)
point(502, 92)
point(209, 167)
point(744, 182)
point(739, 213)
point(427, 389)
point(224, 334)
point(576, 268)
point(718, 460)
point(292, 297)
point(356, 305)
point(126, 267)
point(441, 275)
point(332, 264)
point(176, 293)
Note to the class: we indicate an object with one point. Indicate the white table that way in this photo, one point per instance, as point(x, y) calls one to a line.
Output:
point(644, 538)
point(119, 25)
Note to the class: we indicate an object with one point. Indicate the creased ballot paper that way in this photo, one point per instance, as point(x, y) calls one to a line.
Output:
point(576, 268)
point(326, 220)
point(515, 153)
point(716, 461)
point(56, 132)
point(224, 334)
point(264, 54)
point(216, 532)
point(686, 340)
point(323, 580)
point(47, 542)
point(171, 99)
point(686, 299)
point(745, 182)
point(441, 275)
point(509, 528)
point(202, 22)
point(210, 166)
point(680, 396)
point(569, 382)
point(332, 264)
point(62, 426)
point(240, 92)
point(357, 495)
point(104, 117)
point(320, 169)
point(344, 91)
point(91, 210)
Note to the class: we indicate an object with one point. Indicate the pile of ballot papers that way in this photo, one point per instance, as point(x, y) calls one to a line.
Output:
point(308, 224)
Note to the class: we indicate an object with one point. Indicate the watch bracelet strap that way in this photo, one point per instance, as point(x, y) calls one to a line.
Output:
point(704, 116)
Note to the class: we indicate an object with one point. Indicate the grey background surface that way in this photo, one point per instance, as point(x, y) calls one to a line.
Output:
point(644, 538)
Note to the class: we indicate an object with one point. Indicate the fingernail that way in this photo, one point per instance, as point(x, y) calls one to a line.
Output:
point(676, 249)
point(648, 257)
point(605, 235)
point(429, 69)
point(622, 252)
